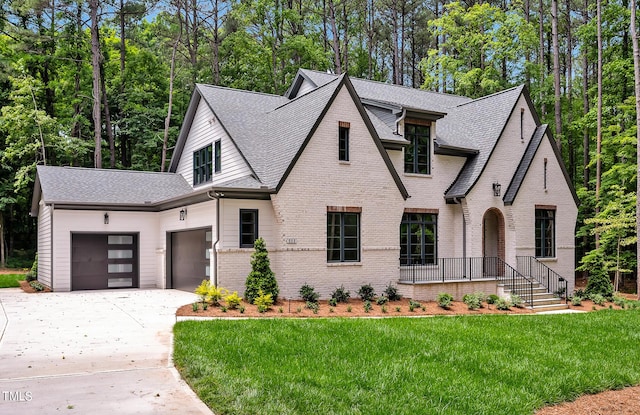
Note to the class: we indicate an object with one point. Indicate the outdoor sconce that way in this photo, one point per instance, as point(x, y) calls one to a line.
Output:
point(183, 214)
point(496, 189)
point(106, 218)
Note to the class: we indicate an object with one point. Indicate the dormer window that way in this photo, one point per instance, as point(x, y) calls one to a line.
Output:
point(417, 155)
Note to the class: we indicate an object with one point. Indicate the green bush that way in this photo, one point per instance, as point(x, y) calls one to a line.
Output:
point(366, 293)
point(36, 286)
point(261, 277)
point(308, 294)
point(412, 305)
point(367, 306)
point(599, 281)
point(333, 302)
point(492, 298)
point(576, 300)
point(32, 275)
point(233, 300)
point(472, 301)
point(263, 301)
point(391, 293)
point(382, 300)
point(313, 306)
point(341, 295)
point(517, 301)
point(502, 304)
point(619, 301)
point(209, 293)
point(444, 300)
point(598, 299)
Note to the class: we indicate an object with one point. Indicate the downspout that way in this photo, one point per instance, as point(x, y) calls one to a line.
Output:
point(214, 246)
point(399, 120)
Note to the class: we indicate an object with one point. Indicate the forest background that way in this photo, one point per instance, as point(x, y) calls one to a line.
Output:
point(129, 67)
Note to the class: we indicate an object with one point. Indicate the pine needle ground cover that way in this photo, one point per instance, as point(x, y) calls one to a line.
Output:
point(442, 365)
point(11, 280)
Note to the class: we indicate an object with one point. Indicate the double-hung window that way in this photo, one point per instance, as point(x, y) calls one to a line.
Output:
point(417, 155)
point(343, 235)
point(202, 165)
point(419, 239)
point(545, 233)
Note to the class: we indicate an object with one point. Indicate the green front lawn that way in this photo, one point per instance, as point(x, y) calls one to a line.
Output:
point(442, 365)
point(11, 280)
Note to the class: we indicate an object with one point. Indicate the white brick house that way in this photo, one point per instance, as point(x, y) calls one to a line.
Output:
point(348, 181)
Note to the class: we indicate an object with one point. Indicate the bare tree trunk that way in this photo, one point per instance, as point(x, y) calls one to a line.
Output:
point(3, 258)
point(96, 59)
point(541, 56)
point(556, 72)
point(570, 136)
point(599, 116)
point(585, 101)
point(167, 120)
point(215, 45)
point(107, 121)
point(527, 17)
point(336, 40)
point(636, 74)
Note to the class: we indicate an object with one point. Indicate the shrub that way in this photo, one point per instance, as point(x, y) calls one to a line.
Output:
point(36, 286)
point(241, 309)
point(619, 301)
point(481, 297)
point(308, 294)
point(598, 299)
point(280, 310)
point(398, 309)
point(261, 277)
point(392, 293)
point(264, 301)
point(312, 306)
point(502, 304)
point(348, 309)
point(472, 301)
point(367, 306)
point(223, 308)
point(202, 290)
point(412, 305)
point(492, 298)
point(341, 295)
point(599, 281)
point(382, 300)
point(333, 302)
point(576, 300)
point(233, 300)
point(194, 306)
point(32, 275)
point(209, 293)
point(517, 301)
point(384, 309)
point(366, 293)
point(331, 309)
point(444, 300)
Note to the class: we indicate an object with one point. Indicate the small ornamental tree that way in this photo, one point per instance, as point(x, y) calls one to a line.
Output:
point(261, 277)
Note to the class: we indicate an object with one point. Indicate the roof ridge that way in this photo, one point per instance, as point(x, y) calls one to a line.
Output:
point(491, 95)
point(110, 170)
point(304, 95)
point(246, 91)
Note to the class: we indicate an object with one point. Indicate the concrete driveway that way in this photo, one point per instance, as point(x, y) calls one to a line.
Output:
point(91, 352)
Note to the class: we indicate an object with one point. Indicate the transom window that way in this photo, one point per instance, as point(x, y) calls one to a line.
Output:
point(202, 165)
point(419, 239)
point(248, 227)
point(417, 155)
point(343, 237)
point(545, 233)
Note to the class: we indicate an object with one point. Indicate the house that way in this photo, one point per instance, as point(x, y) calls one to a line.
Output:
point(349, 182)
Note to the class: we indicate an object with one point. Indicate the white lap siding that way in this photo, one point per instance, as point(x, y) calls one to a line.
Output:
point(44, 244)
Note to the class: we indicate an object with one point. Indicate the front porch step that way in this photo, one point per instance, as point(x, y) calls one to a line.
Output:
point(550, 307)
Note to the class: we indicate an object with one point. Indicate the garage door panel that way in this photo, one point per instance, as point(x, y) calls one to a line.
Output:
point(189, 259)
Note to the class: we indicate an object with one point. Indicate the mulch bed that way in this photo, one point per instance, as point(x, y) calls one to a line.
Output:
point(29, 289)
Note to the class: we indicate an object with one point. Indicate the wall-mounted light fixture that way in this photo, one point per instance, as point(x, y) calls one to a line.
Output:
point(496, 189)
point(106, 218)
point(183, 214)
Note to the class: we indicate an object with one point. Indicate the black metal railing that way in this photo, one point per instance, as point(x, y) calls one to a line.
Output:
point(470, 269)
point(545, 276)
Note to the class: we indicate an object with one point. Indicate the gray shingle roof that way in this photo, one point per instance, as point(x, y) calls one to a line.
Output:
point(75, 185)
point(476, 124)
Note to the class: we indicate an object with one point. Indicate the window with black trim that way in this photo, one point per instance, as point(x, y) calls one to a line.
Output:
point(343, 141)
point(417, 155)
point(419, 239)
point(545, 233)
point(202, 165)
point(343, 237)
point(217, 156)
point(248, 227)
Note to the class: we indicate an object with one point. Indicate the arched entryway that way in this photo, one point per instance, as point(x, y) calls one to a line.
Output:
point(493, 245)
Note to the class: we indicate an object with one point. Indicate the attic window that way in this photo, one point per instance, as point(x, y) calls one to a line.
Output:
point(343, 141)
point(202, 165)
point(417, 156)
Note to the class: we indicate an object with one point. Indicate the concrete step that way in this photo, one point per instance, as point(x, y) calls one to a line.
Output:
point(547, 301)
point(550, 307)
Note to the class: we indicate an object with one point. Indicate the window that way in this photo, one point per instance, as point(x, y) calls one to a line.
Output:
point(522, 124)
point(545, 173)
point(202, 165)
point(417, 155)
point(343, 141)
point(545, 233)
point(248, 227)
point(343, 237)
point(217, 156)
point(419, 239)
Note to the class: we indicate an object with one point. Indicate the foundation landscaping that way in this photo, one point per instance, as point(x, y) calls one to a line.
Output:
point(493, 362)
